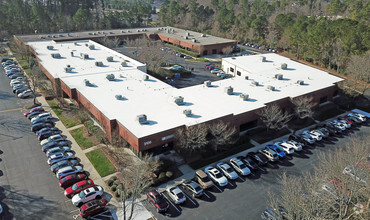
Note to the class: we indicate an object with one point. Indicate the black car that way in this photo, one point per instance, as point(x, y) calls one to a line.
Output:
point(250, 163)
point(333, 126)
point(41, 120)
point(64, 163)
point(258, 158)
point(47, 133)
point(37, 126)
point(298, 138)
point(34, 114)
point(329, 129)
point(52, 144)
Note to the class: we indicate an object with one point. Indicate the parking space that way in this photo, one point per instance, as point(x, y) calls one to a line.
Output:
point(245, 197)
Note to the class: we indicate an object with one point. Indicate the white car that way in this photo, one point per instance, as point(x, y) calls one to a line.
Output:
point(287, 147)
point(25, 94)
point(296, 146)
point(43, 115)
point(216, 176)
point(341, 126)
point(358, 115)
point(239, 166)
point(55, 158)
point(343, 123)
point(308, 138)
point(87, 195)
point(315, 134)
point(176, 194)
point(55, 138)
point(227, 170)
point(356, 174)
point(65, 171)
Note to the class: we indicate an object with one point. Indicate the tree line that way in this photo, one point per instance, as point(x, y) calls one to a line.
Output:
point(325, 33)
point(45, 16)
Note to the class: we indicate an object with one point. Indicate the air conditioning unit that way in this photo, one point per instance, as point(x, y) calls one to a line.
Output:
point(99, 63)
point(122, 31)
point(279, 76)
point(119, 97)
point(123, 63)
point(92, 47)
point(186, 37)
point(90, 33)
point(87, 82)
point(244, 96)
point(300, 82)
point(187, 33)
point(50, 47)
point(72, 54)
point(68, 69)
point(246, 77)
point(110, 77)
point(84, 56)
point(263, 59)
point(76, 44)
point(110, 59)
point(255, 83)
point(203, 35)
point(142, 119)
point(187, 112)
point(229, 90)
point(145, 77)
point(55, 55)
point(272, 88)
point(86, 45)
point(208, 83)
point(179, 100)
point(284, 66)
point(194, 40)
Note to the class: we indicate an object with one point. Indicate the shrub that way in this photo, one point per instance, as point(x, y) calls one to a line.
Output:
point(113, 178)
point(120, 186)
point(117, 194)
point(169, 174)
point(162, 175)
point(110, 182)
point(116, 182)
point(113, 188)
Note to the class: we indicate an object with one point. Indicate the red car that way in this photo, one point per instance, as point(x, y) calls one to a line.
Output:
point(34, 109)
point(93, 207)
point(78, 187)
point(158, 201)
point(69, 180)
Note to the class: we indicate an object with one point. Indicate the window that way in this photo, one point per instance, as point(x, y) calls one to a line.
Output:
point(323, 99)
point(205, 52)
point(214, 51)
point(231, 69)
point(238, 73)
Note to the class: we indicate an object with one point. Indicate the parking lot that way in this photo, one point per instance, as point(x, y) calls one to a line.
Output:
point(246, 197)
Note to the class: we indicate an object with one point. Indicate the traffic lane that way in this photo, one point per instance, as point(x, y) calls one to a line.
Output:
point(249, 198)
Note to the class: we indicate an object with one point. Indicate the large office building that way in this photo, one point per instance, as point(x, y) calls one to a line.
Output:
point(146, 112)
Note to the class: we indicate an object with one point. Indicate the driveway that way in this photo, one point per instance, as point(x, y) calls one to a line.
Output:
point(28, 189)
point(246, 197)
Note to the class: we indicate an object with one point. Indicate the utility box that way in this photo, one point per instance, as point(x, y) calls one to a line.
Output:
point(110, 77)
point(284, 66)
point(246, 77)
point(187, 112)
point(55, 55)
point(207, 83)
point(229, 90)
point(142, 119)
point(87, 82)
point(145, 77)
point(84, 56)
point(110, 59)
point(272, 88)
point(92, 47)
point(120, 97)
point(68, 69)
point(50, 47)
point(179, 100)
point(99, 63)
point(244, 96)
point(300, 82)
point(263, 59)
point(124, 63)
point(279, 76)
point(254, 83)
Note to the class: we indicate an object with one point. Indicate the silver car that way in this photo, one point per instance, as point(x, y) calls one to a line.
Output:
point(65, 171)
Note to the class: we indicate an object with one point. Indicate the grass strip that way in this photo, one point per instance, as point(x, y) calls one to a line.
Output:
point(80, 139)
point(101, 163)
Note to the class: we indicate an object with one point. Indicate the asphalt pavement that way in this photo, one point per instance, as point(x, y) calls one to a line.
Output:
point(28, 189)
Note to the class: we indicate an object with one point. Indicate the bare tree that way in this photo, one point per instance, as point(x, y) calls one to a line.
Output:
point(192, 138)
point(358, 70)
point(222, 134)
point(329, 193)
point(110, 42)
point(303, 106)
point(227, 50)
point(274, 117)
point(35, 77)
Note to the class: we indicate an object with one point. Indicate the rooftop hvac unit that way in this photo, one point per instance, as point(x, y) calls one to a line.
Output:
point(194, 40)
point(187, 34)
point(158, 29)
point(300, 82)
point(186, 37)
point(94, 33)
point(244, 96)
point(111, 32)
point(203, 35)
point(207, 83)
point(128, 31)
point(229, 90)
point(68, 69)
point(263, 59)
point(123, 63)
point(246, 77)
point(50, 47)
point(76, 44)
point(90, 33)
point(60, 35)
point(55, 55)
point(119, 97)
point(142, 119)
point(92, 47)
point(284, 66)
point(110, 59)
point(99, 63)
point(138, 30)
point(86, 45)
point(122, 31)
point(254, 83)
point(272, 88)
point(145, 77)
point(87, 82)
point(110, 77)
point(84, 56)
point(179, 100)
point(187, 112)
point(279, 76)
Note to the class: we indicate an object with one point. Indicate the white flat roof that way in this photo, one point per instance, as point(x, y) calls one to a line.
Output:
point(155, 98)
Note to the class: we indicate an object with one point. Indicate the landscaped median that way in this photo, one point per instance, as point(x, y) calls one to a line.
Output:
point(101, 163)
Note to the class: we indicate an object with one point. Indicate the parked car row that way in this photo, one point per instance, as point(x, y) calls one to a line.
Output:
point(213, 68)
point(258, 47)
point(19, 82)
point(63, 163)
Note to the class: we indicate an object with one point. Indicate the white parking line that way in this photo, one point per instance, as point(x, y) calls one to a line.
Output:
point(190, 199)
point(204, 193)
point(171, 203)
point(241, 179)
point(231, 184)
point(218, 188)
point(74, 211)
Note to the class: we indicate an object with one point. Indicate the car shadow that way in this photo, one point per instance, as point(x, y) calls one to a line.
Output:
point(263, 170)
point(285, 163)
point(207, 197)
point(254, 175)
point(190, 204)
point(302, 154)
point(230, 185)
point(273, 165)
point(319, 144)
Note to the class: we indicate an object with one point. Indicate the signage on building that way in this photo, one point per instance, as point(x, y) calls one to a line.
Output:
point(168, 137)
point(147, 143)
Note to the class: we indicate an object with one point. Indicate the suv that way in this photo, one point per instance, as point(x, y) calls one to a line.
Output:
point(202, 178)
point(270, 154)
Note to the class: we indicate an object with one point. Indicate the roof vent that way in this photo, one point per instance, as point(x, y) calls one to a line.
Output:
point(229, 90)
point(207, 83)
point(84, 56)
point(246, 77)
point(110, 77)
point(92, 47)
point(187, 112)
point(110, 59)
point(179, 100)
point(279, 76)
point(145, 77)
point(86, 45)
point(142, 119)
point(87, 82)
point(99, 63)
point(263, 59)
point(55, 55)
point(50, 47)
point(76, 44)
point(244, 96)
point(284, 66)
point(120, 97)
point(272, 88)
point(254, 83)
point(300, 82)
point(123, 63)
point(68, 69)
